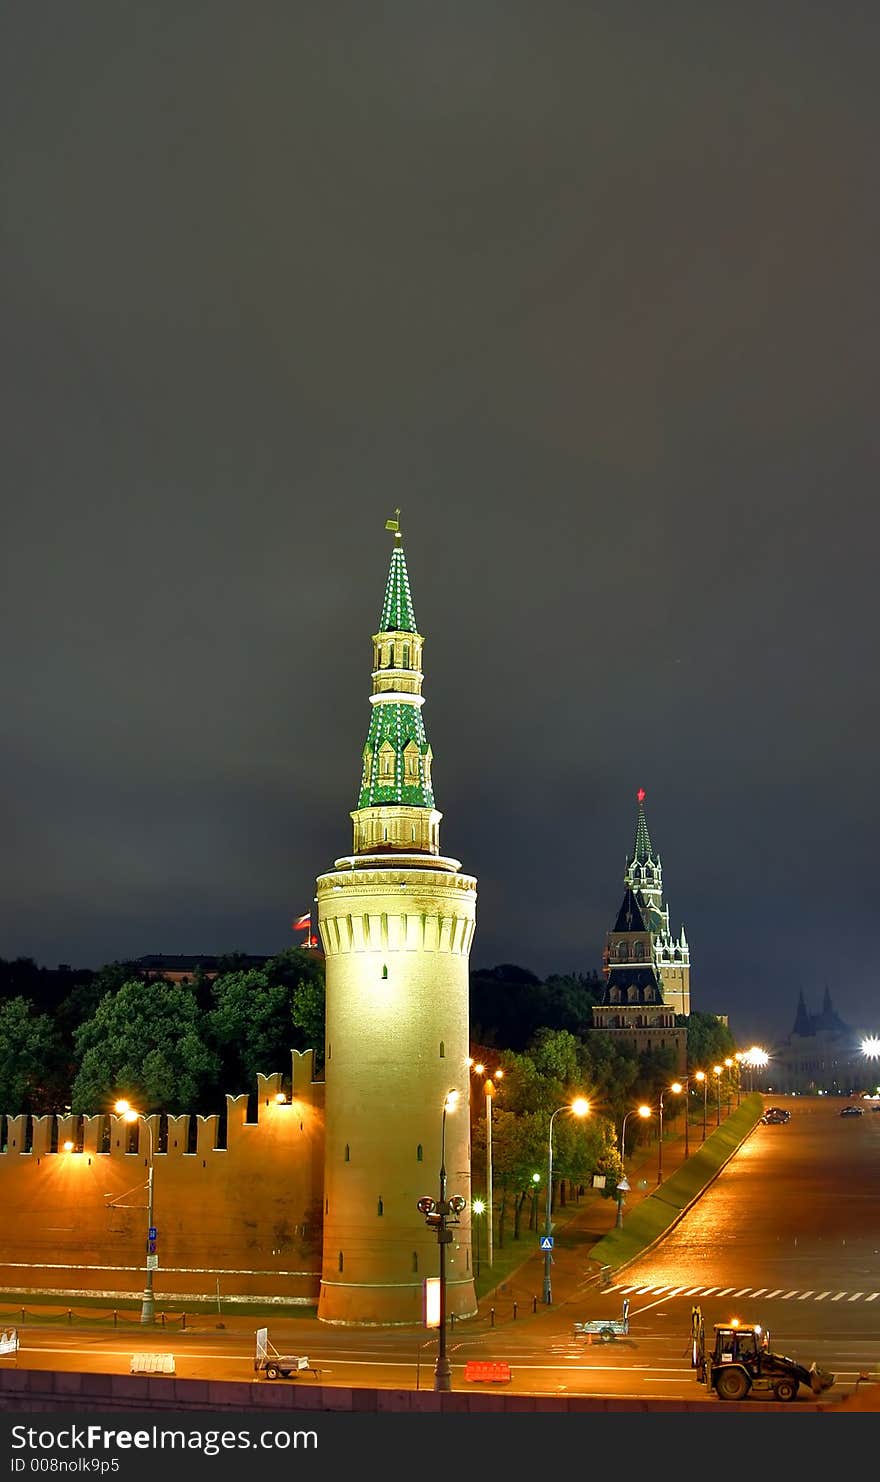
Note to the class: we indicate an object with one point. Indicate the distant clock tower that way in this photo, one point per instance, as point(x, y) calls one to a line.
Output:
point(396, 920)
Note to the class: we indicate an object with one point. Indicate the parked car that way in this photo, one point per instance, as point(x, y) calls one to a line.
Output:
point(778, 1113)
point(850, 1111)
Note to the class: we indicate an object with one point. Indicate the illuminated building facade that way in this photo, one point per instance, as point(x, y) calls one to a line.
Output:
point(396, 921)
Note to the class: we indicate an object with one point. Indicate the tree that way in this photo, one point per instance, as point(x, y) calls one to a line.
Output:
point(27, 1042)
point(303, 973)
point(251, 1027)
point(709, 1040)
point(144, 1041)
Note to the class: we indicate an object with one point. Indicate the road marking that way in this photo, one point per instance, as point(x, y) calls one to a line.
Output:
point(708, 1290)
point(759, 1290)
point(872, 1296)
point(727, 1291)
point(678, 1290)
point(790, 1294)
point(742, 1291)
point(774, 1293)
point(838, 1297)
point(822, 1295)
point(855, 1296)
point(693, 1291)
point(804, 1295)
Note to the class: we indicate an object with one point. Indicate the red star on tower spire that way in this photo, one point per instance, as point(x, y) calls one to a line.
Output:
point(641, 795)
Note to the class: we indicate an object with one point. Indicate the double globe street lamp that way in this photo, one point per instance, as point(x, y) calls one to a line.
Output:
point(578, 1108)
point(439, 1214)
point(676, 1089)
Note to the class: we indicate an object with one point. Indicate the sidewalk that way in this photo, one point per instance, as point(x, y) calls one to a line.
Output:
point(572, 1270)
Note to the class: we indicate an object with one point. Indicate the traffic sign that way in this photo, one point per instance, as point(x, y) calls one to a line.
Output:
point(546, 1242)
point(152, 1263)
point(152, 1233)
point(151, 1247)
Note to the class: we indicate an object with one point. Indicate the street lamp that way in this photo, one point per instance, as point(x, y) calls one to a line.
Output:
point(437, 1216)
point(675, 1088)
point(130, 1115)
point(739, 1057)
point(622, 1188)
point(718, 1071)
point(489, 1089)
point(636, 1111)
point(477, 1208)
point(578, 1108)
point(729, 1066)
point(700, 1075)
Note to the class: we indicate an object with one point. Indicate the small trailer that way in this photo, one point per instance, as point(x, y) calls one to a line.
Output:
point(268, 1361)
point(605, 1328)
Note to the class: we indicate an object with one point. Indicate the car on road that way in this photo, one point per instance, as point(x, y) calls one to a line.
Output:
point(850, 1111)
point(774, 1116)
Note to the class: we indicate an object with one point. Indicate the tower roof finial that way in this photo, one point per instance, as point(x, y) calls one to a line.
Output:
point(395, 526)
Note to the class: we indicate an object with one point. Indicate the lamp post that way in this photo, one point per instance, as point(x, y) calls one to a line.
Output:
point(128, 1114)
point(675, 1088)
point(739, 1057)
point(638, 1111)
point(442, 1371)
point(622, 1188)
point(579, 1108)
point(489, 1089)
point(729, 1064)
point(717, 1071)
point(700, 1075)
point(477, 1208)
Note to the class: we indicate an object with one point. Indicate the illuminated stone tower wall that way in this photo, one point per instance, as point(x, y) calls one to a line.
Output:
point(396, 920)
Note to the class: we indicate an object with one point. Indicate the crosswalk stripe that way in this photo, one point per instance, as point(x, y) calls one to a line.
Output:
point(855, 1296)
point(838, 1297)
point(774, 1294)
point(790, 1294)
point(742, 1291)
point(677, 1292)
point(694, 1291)
point(708, 1290)
point(759, 1291)
point(657, 1289)
point(872, 1296)
point(804, 1295)
point(822, 1295)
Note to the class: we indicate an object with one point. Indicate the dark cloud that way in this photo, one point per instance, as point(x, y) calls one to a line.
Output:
point(590, 292)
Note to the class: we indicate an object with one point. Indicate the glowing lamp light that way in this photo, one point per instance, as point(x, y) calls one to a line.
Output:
point(478, 1207)
point(280, 1098)
point(68, 1147)
point(871, 1047)
point(580, 1106)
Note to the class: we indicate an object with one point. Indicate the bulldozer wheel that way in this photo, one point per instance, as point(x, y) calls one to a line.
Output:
point(785, 1389)
point(732, 1384)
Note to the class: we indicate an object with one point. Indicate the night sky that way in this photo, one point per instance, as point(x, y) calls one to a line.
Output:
point(590, 292)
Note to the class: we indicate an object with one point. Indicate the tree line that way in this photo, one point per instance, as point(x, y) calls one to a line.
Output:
point(75, 1040)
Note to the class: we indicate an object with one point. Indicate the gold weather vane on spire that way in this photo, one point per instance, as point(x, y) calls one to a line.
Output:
point(395, 525)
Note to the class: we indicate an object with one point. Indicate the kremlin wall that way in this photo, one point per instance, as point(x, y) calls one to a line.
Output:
point(245, 1217)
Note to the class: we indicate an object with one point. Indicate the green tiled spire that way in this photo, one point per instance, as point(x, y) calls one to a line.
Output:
point(397, 610)
point(397, 757)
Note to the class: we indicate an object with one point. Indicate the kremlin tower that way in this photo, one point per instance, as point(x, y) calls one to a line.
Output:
point(396, 920)
point(647, 970)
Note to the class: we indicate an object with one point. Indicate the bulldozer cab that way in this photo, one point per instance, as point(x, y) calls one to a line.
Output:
point(737, 1344)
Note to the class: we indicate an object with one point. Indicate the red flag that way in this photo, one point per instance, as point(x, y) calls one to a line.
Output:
point(303, 923)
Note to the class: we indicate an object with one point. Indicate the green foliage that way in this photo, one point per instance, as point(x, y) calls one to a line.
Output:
point(250, 1025)
point(26, 1045)
point(709, 1040)
point(144, 1041)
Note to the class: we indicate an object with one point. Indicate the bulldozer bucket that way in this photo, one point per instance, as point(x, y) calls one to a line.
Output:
point(820, 1379)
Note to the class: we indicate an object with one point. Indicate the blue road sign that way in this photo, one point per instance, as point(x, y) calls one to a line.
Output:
point(546, 1242)
point(152, 1233)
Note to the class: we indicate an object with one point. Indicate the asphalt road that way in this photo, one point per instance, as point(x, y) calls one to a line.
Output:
point(788, 1235)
